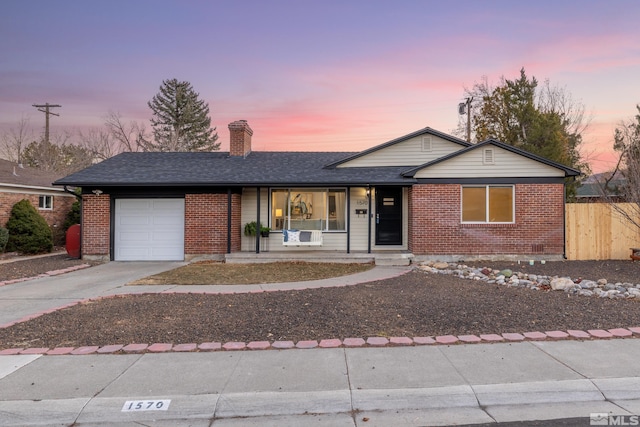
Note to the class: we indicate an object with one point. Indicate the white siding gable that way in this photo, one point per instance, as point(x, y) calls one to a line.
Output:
point(490, 161)
point(412, 152)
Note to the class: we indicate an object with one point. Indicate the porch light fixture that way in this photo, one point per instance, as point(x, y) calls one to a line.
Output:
point(97, 192)
point(368, 191)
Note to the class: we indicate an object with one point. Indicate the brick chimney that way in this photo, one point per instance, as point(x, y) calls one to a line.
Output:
point(240, 138)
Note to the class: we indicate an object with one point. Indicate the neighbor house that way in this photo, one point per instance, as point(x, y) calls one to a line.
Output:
point(426, 194)
point(18, 182)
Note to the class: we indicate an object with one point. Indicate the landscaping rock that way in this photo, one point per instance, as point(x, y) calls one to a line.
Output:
point(562, 283)
point(508, 277)
point(506, 273)
point(588, 284)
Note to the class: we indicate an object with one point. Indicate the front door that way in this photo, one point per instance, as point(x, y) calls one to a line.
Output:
point(389, 216)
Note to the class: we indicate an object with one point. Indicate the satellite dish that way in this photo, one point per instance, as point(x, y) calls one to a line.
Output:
point(461, 108)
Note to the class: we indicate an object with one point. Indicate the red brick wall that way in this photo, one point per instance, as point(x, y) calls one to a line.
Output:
point(435, 226)
point(54, 217)
point(206, 223)
point(96, 222)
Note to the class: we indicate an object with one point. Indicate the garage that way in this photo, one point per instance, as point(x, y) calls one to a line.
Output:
point(149, 230)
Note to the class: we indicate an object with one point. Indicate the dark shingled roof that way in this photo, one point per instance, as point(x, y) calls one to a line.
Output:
point(218, 168)
point(13, 174)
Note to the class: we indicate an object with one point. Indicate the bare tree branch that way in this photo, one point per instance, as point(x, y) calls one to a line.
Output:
point(16, 140)
point(623, 184)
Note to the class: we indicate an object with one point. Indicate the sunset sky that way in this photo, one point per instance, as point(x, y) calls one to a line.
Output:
point(314, 75)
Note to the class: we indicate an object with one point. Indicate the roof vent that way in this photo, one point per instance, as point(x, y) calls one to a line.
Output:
point(488, 156)
point(426, 143)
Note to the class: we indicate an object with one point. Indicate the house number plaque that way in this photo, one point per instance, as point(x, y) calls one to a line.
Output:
point(146, 405)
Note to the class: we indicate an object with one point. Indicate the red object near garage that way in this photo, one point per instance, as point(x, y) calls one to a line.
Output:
point(73, 241)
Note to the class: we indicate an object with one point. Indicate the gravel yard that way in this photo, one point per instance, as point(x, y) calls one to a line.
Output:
point(415, 304)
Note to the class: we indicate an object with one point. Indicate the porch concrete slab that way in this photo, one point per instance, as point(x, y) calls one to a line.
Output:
point(9, 364)
point(165, 374)
point(191, 408)
point(619, 388)
point(551, 411)
point(597, 358)
point(250, 404)
point(319, 420)
point(423, 417)
point(18, 413)
point(537, 392)
point(500, 363)
point(64, 377)
point(289, 371)
point(457, 396)
point(400, 367)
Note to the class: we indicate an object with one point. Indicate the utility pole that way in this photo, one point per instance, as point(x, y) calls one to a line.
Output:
point(461, 108)
point(47, 113)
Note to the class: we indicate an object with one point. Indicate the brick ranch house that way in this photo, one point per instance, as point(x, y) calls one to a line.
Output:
point(426, 194)
point(19, 182)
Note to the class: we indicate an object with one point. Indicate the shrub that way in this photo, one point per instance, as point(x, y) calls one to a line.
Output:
point(29, 233)
point(4, 236)
point(73, 216)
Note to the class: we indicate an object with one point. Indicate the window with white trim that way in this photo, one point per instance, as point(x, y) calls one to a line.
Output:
point(45, 202)
point(488, 204)
point(309, 209)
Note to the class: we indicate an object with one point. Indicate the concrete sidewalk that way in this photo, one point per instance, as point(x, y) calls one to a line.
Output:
point(372, 386)
point(409, 386)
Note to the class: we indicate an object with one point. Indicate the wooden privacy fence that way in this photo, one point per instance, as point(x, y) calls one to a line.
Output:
point(596, 231)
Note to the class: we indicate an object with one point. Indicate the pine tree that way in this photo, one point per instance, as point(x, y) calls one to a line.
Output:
point(180, 120)
point(29, 232)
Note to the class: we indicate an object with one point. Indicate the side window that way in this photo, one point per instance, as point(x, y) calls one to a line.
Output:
point(45, 202)
point(488, 204)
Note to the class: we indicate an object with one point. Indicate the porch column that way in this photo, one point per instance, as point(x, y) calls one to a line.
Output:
point(348, 220)
point(369, 217)
point(258, 220)
point(229, 220)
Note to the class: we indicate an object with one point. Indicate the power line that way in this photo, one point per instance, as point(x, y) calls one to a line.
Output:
point(47, 113)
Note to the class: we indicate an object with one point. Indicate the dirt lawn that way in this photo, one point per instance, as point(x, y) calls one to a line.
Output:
point(415, 304)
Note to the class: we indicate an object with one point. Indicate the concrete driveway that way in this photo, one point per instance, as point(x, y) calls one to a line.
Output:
point(22, 299)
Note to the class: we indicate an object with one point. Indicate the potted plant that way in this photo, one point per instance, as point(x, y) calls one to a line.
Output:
point(250, 228)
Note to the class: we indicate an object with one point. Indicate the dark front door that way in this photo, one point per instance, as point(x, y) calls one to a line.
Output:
point(389, 216)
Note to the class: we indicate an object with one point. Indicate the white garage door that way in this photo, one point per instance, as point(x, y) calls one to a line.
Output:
point(149, 230)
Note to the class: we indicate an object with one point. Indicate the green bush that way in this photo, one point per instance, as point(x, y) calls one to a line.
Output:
point(29, 233)
point(73, 216)
point(4, 236)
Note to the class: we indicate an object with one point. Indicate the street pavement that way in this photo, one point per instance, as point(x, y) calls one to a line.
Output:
point(415, 385)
